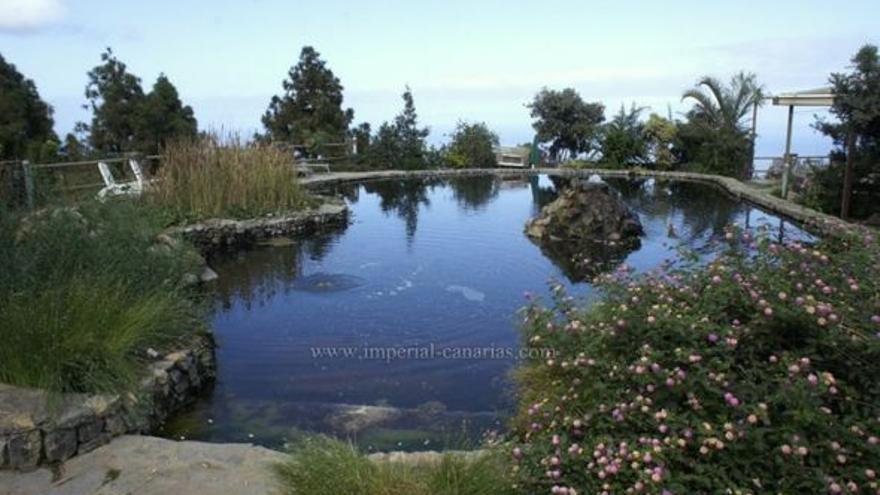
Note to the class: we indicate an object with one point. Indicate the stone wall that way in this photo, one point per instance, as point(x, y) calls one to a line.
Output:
point(38, 428)
point(217, 234)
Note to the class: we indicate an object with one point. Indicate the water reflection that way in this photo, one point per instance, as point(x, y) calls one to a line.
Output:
point(473, 193)
point(404, 198)
point(255, 276)
point(581, 262)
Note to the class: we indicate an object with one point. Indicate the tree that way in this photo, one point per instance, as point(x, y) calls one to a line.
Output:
point(715, 135)
point(472, 146)
point(361, 137)
point(412, 137)
point(660, 136)
point(856, 135)
point(25, 119)
point(568, 123)
point(164, 117)
point(623, 138)
point(310, 110)
point(73, 149)
point(116, 98)
point(401, 144)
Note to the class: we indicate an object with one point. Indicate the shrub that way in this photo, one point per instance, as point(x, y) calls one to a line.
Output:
point(472, 146)
point(823, 187)
point(623, 139)
point(660, 136)
point(210, 177)
point(84, 291)
point(755, 373)
point(323, 465)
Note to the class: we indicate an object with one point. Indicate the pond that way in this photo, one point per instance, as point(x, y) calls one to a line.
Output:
point(400, 331)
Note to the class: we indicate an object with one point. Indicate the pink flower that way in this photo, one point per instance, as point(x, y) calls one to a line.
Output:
point(731, 399)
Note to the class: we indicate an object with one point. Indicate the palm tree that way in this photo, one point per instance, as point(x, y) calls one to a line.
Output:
point(723, 109)
point(721, 106)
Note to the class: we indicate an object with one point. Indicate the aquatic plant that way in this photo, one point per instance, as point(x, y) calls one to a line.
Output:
point(215, 176)
point(754, 373)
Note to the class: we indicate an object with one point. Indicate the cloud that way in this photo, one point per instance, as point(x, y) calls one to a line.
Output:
point(29, 15)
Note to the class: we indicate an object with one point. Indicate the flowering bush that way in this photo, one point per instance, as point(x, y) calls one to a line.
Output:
point(758, 372)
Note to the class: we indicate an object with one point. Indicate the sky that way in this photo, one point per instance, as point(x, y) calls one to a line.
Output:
point(464, 60)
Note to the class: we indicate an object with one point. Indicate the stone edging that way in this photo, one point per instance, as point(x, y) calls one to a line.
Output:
point(37, 428)
point(811, 219)
point(216, 234)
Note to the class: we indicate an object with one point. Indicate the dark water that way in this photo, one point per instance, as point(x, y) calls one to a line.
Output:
point(417, 299)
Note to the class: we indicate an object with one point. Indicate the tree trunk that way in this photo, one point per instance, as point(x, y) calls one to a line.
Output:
point(846, 202)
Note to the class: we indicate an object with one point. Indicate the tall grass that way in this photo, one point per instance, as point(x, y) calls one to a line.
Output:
point(213, 176)
point(321, 465)
point(84, 291)
point(83, 334)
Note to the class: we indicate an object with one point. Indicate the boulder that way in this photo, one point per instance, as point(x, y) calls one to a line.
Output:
point(586, 211)
point(587, 230)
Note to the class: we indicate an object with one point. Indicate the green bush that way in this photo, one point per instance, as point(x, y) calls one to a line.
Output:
point(84, 291)
point(623, 142)
point(755, 373)
point(322, 465)
point(472, 146)
point(823, 187)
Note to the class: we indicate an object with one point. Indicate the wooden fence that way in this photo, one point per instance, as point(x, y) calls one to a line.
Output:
point(24, 184)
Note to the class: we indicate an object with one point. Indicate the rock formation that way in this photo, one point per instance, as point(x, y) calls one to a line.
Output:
point(586, 229)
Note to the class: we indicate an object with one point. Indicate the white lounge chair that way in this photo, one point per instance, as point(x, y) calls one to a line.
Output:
point(132, 188)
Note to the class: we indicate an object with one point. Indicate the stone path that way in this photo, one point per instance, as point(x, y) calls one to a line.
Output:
point(143, 465)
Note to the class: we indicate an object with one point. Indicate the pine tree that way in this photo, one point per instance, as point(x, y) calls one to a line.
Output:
point(310, 110)
point(25, 119)
point(410, 136)
point(164, 117)
point(115, 97)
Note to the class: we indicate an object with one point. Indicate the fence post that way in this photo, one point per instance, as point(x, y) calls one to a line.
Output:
point(29, 186)
point(786, 166)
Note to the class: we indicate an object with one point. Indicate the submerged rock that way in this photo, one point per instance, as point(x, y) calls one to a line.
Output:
point(467, 292)
point(586, 230)
point(327, 282)
point(351, 419)
point(208, 275)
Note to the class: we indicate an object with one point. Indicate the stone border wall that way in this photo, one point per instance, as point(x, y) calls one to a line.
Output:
point(809, 218)
point(218, 234)
point(37, 428)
